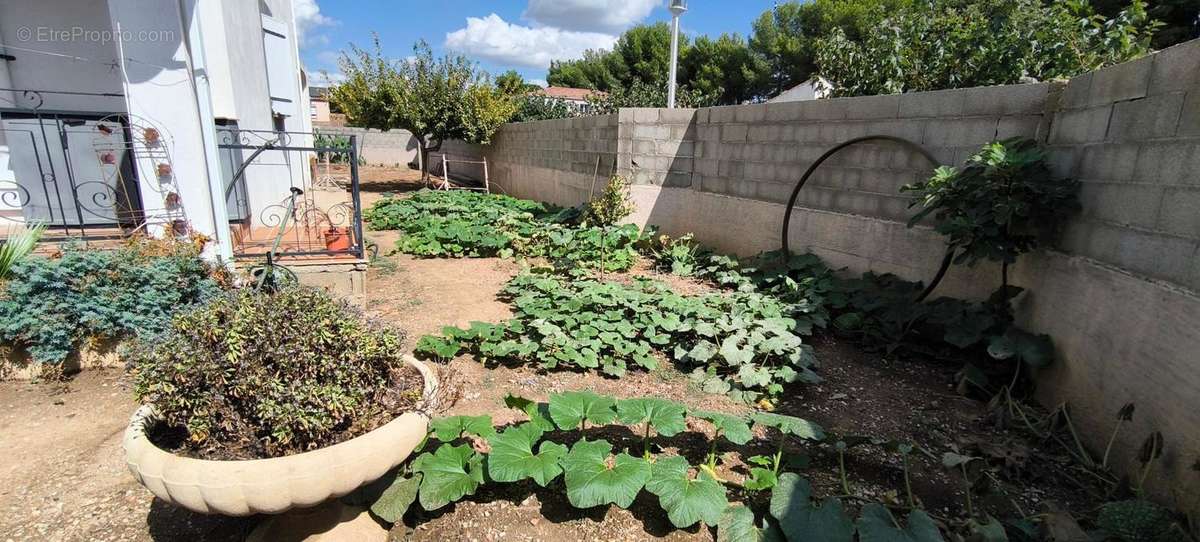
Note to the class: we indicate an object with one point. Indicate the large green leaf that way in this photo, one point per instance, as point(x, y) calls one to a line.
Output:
point(876, 524)
point(790, 425)
point(570, 409)
point(801, 519)
point(737, 525)
point(593, 477)
point(666, 417)
point(450, 473)
point(539, 413)
point(1035, 350)
point(453, 427)
point(686, 499)
point(512, 457)
point(396, 499)
point(735, 429)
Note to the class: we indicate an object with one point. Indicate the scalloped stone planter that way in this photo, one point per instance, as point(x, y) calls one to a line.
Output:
point(275, 485)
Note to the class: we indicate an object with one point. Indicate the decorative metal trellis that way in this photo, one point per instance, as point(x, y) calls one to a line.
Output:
point(82, 173)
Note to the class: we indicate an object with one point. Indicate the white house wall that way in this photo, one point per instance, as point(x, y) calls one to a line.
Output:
point(274, 172)
point(160, 94)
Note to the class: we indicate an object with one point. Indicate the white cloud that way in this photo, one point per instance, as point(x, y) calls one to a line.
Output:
point(539, 82)
point(607, 16)
point(328, 58)
point(308, 16)
point(495, 39)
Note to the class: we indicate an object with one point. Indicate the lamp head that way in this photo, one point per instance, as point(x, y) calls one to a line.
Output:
point(677, 7)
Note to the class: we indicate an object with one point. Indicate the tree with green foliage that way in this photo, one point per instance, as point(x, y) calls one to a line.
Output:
point(955, 44)
point(1180, 18)
point(433, 98)
point(534, 106)
point(723, 68)
point(641, 94)
point(786, 38)
point(592, 71)
point(512, 84)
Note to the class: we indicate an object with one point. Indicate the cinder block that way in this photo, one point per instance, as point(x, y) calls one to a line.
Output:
point(1155, 116)
point(1080, 125)
point(750, 113)
point(733, 132)
point(1108, 162)
point(1176, 68)
point(723, 113)
point(1189, 119)
point(957, 132)
point(784, 111)
point(676, 116)
point(1127, 81)
point(828, 109)
point(1021, 126)
point(1028, 99)
point(941, 103)
point(1154, 255)
point(1127, 204)
point(873, 107)
point(1180, 214)
point(1077, 92)
point(677, 179)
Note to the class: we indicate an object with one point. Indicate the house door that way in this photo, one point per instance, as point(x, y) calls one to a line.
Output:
point(72, 171)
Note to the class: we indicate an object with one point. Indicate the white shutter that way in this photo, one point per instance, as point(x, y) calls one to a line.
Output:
point(281, 74)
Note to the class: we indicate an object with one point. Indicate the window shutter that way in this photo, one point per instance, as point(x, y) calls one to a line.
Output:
point(281, 74)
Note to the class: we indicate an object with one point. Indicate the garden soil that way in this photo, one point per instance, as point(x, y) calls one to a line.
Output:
point(64, 478)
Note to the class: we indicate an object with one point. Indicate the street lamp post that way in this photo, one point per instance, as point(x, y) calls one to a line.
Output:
point(677, 8)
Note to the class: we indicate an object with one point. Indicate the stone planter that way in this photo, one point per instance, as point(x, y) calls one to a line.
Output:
point(276, 485)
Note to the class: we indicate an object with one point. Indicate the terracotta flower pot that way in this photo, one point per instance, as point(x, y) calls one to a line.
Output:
point(164, 170)
point(337, 239)
point(275, 485)
point(150, 136)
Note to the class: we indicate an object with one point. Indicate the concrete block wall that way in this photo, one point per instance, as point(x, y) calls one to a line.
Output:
point(1119, 290)
point(1126, 134)
point(393, 147)
point(559, 161)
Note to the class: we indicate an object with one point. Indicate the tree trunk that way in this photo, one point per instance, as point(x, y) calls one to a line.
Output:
point(423, 151)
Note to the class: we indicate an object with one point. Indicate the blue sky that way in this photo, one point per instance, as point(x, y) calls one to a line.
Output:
point(510, 34)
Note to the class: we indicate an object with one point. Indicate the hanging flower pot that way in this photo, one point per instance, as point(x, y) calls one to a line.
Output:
point(108, 158)
point(179, 226)
point(150, 136)
point(172, 200)
point(337, 239)
point(164, 170)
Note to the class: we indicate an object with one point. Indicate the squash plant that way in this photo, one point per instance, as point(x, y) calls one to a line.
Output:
point(554, 445)
point(745, 344)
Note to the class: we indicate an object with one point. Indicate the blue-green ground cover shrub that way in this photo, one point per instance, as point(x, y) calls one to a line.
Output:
point(51, 306)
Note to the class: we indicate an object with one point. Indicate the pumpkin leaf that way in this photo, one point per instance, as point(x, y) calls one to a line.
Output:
point(397, 498)
point(802, 519)
point(512, 457)
point(454, 427)
point(570, 409)
point(686, 499)
point(539, 413)
point(450, 473)
point(594, 477)
point(790, 425)
point(666, 417)
point(735, 429)
point(737, 525)
point(876, 524)
point(760, 479)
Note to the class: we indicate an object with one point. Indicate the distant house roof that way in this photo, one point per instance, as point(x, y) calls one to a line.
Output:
point(318, 92)
point(568, 93)
point(814, 88)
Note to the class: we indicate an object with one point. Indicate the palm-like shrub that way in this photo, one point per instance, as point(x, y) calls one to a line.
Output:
point(259, 375)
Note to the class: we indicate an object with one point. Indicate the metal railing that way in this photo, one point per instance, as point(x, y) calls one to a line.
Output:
point(72, 170)
point(291, 194)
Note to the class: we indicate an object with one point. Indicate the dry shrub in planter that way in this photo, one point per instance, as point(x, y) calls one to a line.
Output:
point(253, 375)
